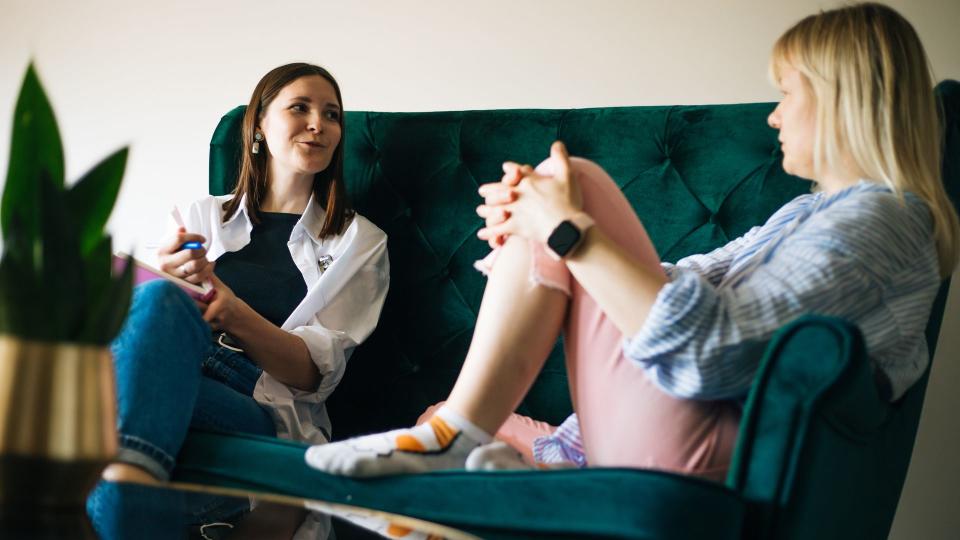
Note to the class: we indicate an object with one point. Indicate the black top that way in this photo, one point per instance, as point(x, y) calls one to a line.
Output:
point(263, 274)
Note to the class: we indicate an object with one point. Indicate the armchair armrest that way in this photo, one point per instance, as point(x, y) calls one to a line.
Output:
point(816, 454)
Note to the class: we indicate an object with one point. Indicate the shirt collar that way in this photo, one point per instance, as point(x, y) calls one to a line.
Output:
point(310, 223)
point(242, 209)
point(862, 185)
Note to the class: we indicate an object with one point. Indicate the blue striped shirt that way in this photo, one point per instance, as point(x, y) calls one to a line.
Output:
point(862, 254)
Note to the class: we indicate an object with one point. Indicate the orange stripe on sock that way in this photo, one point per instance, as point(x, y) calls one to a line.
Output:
point(443, 431)
point(396, 531)
point(409, 443)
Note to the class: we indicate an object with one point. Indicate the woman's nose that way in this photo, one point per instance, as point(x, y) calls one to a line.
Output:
point(774, 119)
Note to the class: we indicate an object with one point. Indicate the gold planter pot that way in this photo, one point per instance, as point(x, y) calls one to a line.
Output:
point(57, 423)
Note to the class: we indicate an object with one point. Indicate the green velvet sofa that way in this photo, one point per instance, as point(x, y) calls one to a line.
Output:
point(820, 453)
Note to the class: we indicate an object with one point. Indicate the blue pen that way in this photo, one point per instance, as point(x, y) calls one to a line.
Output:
point(178, 219)
point(190, 245)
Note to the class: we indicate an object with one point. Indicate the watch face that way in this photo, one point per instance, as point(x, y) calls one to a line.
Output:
point(563, 238)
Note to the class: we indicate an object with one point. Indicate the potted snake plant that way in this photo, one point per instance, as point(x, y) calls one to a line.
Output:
point(60, 306)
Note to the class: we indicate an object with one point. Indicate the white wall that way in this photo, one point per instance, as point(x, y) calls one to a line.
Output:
point(158, 75)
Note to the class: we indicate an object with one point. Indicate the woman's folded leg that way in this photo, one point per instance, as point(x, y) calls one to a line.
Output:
point(157, 358)
point(161, 392)
point(625, 419)
point(517, 325)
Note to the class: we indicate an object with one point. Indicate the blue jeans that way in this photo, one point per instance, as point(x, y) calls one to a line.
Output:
point(171, 376)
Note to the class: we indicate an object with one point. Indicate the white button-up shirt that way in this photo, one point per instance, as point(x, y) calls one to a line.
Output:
point(339, 311)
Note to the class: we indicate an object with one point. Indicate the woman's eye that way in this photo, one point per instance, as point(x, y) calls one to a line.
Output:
point(333, 115)
point(298, 107)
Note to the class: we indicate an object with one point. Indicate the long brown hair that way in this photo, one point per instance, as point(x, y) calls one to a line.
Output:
point(328, 187)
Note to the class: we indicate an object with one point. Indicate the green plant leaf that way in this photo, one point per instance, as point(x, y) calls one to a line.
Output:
point(97, 271)
point(59, 264)
point(92, 198)
point(122, 293)
point(35, 145)
point(15, 302)
point(97, 265)
point(22, 310)
point(96, 276)
point(55, 275)
point(109, 310)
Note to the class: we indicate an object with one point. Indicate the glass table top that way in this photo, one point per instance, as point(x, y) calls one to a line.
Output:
point(133, 510)
point(276, 516)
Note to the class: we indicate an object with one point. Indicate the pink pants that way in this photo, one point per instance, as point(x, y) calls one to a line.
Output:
point(625, 420)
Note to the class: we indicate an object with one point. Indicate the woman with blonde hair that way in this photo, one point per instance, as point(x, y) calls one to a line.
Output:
point(658, 355)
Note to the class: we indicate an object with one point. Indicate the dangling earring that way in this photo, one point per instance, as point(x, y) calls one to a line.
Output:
point(257, 137)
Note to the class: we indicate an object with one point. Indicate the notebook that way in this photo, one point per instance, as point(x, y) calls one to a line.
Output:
point(144, 272)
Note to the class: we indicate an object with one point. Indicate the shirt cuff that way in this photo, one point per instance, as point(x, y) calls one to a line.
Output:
point(671, 317)
point(562, 446)
point(329, 351)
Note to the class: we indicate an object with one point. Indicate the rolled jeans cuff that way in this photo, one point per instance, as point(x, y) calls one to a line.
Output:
point(143, 454)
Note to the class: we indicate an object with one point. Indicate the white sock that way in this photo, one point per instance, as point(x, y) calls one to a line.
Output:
point(496, 456)
point(443, 442)
point(500, 456)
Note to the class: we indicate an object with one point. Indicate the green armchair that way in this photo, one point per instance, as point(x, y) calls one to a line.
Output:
point(820, 454)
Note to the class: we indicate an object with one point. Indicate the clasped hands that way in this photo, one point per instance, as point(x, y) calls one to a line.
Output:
point(220, 306)
point(529, 203)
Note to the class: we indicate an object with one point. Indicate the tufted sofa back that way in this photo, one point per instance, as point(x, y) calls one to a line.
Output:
point(697, 176)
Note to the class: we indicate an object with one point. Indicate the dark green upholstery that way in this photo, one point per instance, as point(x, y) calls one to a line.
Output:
point(451, 497)
point(819, 455)
point(697, 176)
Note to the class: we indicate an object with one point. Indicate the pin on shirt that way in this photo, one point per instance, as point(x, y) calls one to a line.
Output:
point(324, 262)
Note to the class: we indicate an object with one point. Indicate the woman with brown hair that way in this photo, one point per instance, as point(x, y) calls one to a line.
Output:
point(299, 281)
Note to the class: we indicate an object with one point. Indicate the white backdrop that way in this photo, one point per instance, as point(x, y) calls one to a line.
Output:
point(158, 76)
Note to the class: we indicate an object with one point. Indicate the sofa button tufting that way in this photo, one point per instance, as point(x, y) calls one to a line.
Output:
point(444, 274)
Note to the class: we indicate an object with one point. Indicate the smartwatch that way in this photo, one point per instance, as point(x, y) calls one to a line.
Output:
point(568, 235)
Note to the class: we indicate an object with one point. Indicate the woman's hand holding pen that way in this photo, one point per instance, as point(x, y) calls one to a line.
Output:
point(185, 257)
point(529, 204)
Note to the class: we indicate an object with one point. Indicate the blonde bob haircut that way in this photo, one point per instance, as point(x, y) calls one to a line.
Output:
point(876, 113)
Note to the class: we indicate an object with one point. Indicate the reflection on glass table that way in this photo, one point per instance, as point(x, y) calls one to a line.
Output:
point(251, 515)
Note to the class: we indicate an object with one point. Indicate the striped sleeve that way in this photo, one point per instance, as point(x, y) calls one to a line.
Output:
point(712, 266)
point(563, 445)
point(705, 341)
